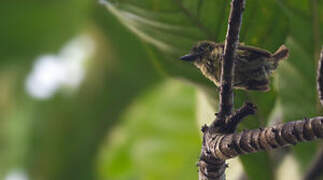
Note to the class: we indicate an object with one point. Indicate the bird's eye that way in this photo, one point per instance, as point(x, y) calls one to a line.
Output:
point(203, 47)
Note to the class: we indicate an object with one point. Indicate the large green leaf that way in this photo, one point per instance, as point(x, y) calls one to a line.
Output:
point(297, 93)
point(157, 138)
point(296, 77)
point(306, 22)
point(296, 85)
point(173, 26)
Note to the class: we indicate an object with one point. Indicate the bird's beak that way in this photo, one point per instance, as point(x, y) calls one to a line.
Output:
point(189, 57)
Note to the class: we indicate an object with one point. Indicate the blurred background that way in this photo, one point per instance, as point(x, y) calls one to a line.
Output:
point(93, 90)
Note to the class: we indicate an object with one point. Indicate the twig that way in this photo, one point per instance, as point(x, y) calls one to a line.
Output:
point(211, 167)
point(316, 27)
point(320, 78)
point(233, 120)
point(227, 74)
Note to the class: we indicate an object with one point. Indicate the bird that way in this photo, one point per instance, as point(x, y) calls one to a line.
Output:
point(253, 66)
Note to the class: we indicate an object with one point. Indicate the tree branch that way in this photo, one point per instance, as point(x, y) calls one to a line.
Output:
point(225, 146)
point(320, 78)
point(233, 120)
point(227, 74)
point(211, 167)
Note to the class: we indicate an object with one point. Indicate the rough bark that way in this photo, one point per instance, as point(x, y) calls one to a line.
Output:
point(211, 167)
point(225, 146)
point(320, 78)
point(227, 73)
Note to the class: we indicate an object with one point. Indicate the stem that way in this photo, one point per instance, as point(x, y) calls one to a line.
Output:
point(227, 73)
point(210, 167)
point(235, 118)
point(320, 78)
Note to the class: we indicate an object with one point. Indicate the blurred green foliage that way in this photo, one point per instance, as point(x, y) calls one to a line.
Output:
point(127, 120)
point(164, 147)
point(37, 27)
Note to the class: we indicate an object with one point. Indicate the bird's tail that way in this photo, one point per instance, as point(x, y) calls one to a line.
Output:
point(281, 53)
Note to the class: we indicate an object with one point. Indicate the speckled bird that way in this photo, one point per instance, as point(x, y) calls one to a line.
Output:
point(253, 66)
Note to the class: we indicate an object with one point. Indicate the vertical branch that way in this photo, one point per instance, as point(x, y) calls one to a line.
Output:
point(210, 167)
point(227, 69)
point(320, 78)
point(316, 27)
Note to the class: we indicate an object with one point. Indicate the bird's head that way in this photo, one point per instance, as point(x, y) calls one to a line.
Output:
point(199, 52)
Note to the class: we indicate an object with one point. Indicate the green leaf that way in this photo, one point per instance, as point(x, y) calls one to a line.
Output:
point(305, 23)
point(297, 76)
point(257, 165)
point(297, 93)
point(173, 26)
point(157, 139)
point(296, 84)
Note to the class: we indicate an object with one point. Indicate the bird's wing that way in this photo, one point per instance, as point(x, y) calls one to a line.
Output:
point(248, 57)
point(255, 51)
point(250, 51)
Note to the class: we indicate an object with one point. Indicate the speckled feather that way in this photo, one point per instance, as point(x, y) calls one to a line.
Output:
point(253, 66)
